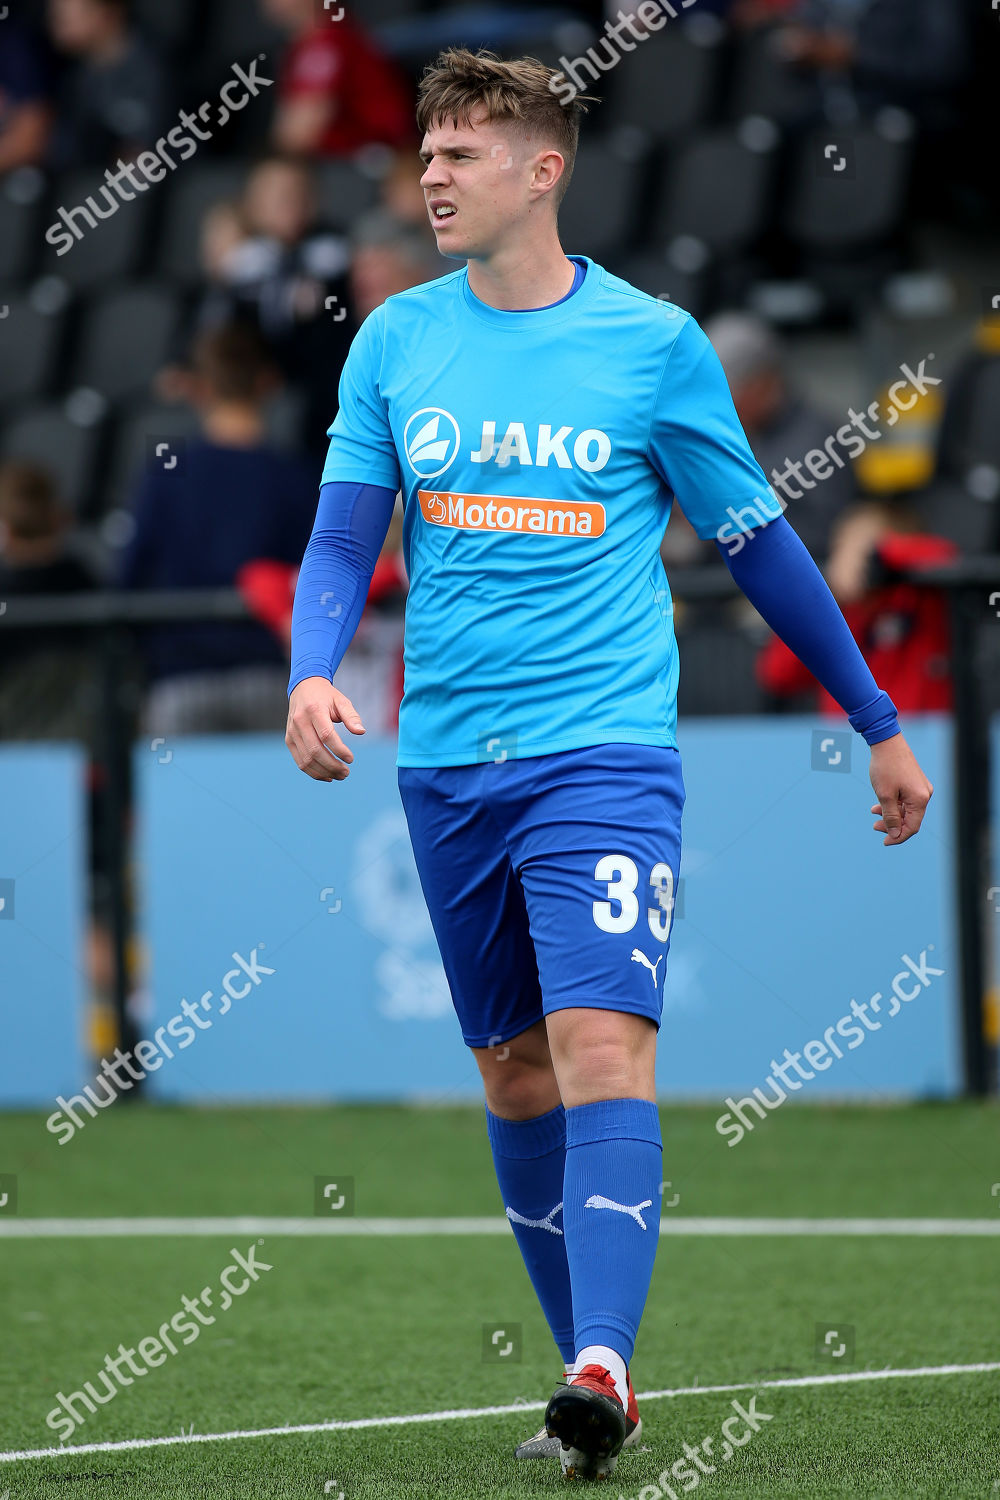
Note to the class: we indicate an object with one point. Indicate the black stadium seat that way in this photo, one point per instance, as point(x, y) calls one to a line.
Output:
point(108, 248)
point(343, 192)
point(598, 215)
point(764, 83)
point(652, 272)
point(717, 671)
point(174, 27)
point(48, 436)
point(414, 34)
point(383, 12)
point(21, 224)
point(974, 435)
point(124, 339)
point(949, 510)
point(835, 212)
point(192, 192)
point(963, 503)
point(30, 339)
point(238, 29)
point(666, 87)
point(717, 189)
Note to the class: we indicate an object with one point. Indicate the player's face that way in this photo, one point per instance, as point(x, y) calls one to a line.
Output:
point(481, 182)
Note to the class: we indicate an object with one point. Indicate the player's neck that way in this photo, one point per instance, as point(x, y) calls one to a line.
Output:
point(526, 278)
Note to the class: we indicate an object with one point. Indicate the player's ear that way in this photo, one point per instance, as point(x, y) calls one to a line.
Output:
point(548, 169)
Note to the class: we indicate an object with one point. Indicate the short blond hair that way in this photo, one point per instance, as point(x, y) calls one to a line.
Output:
point(460, 83)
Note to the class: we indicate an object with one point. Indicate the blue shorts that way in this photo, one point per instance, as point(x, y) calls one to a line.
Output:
point(550, 880)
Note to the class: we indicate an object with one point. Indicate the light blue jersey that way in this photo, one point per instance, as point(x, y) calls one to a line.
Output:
point(537, 453)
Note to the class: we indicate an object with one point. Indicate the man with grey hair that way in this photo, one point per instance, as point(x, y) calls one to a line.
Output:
point(389, 256)
point(781, 426)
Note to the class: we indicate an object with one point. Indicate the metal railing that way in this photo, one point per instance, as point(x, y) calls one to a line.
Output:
point(110, 619)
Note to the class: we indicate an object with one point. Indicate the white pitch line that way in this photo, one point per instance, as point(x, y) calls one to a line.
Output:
point(31, 1229)
point(184, 1228)
point(905, 1227)
point(457, 1414)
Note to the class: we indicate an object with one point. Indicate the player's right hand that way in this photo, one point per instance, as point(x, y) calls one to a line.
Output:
point(314, 707)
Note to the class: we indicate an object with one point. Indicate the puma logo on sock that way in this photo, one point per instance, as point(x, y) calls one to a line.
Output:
point(546, 1223)
point(597, 1201)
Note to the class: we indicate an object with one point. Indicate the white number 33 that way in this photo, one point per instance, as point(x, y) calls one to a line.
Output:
point(621, 875)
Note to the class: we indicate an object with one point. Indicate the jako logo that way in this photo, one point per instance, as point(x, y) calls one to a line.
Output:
point(591, 450)
point(431, 439)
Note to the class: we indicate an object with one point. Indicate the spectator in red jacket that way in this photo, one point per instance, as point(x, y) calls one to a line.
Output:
point(901, 627)
point(336, 90)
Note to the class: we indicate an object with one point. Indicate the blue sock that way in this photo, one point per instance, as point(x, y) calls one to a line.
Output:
point(530, 1160)
point(614, 1162)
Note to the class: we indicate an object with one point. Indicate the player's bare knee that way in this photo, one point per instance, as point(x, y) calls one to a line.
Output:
point(524, 1100)
point(599, 1039)
point(596, 1063)
point(516, 1087)
point(601, 1072)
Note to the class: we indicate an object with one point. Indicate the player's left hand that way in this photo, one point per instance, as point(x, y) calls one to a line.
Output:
point(902, 789)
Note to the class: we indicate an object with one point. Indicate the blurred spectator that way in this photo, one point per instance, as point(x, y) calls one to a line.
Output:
point(271, 263)
point(289, 262)
point(25, 98)
point(226, 499)
point(901, 627)
point(336, 91)
point(389, 257)
point(402, 196)
point(49, 687)
point(782, 427)
point(46, 689)
point(969, 438)
point(371, 673)
point(909, 53)
point(751, 13)
point(111, 100)
point(612, 10)
point(223, 230)
point(289, 277)
point(402, 206)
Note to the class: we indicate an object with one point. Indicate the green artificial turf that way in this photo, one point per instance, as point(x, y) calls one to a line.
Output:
point(353, 1327)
